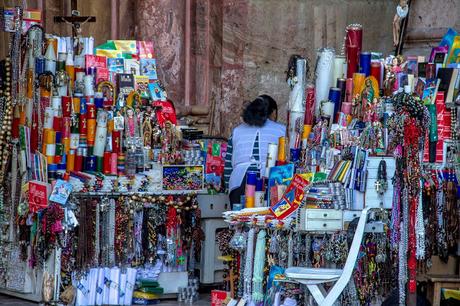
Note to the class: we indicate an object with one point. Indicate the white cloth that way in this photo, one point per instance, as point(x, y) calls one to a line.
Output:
point(122, 290)
point(130, 281)
point(106, 286)
point(243, 139)
point(92, 285)
point(402, 11)
point(100, 286)
point(114, 285)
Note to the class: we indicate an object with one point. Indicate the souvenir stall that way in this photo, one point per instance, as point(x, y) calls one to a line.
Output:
point(362, 192)
point(99, 179)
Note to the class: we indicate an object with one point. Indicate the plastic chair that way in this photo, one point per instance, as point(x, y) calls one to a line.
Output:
point(314, 278)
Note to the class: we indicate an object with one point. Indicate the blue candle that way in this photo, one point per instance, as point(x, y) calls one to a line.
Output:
point(335, 95)
point(365, 63)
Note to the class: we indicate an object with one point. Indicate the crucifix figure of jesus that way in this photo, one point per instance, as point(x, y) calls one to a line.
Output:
point(76, 21)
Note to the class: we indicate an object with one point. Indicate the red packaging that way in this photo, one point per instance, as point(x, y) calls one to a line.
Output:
point(349, 90)
point(91, 111)
point(354, 37)
point(38, 195)
point(376, 69)
point(66, 106)
point(352, 60)
point(57, 159)
point(309, 105)
point(66, 123)
point(114, 164)
point(219, 297)
point(83, 126)
point(34, 132)
point(95, 61)
point(102, 75)
point(107, 162)
point(166, 112)
point(116, 141)
point(78, 162)
point(291, 199)
point(145, 49)
point(430, 71)
point(15, 127)
point(57, 124)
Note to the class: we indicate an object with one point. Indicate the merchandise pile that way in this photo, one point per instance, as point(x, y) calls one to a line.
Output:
point(99, 178)
point(364, 131)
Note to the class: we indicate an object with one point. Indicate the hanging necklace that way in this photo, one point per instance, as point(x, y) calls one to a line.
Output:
point(381, 184)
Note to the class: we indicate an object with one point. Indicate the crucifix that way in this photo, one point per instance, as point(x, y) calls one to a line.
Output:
point(75, 20)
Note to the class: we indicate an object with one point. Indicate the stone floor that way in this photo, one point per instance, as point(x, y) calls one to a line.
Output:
point(11, 301)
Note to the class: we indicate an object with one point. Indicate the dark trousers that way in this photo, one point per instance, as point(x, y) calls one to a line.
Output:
point(235, 194)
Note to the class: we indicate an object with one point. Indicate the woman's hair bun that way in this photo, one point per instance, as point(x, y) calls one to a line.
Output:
point(257, 112)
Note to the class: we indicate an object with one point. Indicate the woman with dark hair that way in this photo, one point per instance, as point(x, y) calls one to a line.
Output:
point(248, 145)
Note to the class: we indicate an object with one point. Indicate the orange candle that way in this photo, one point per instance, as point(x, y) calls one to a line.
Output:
point(70, 161)
point(282, 149)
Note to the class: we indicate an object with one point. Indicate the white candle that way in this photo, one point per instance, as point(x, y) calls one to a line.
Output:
point(89, 85)
point(48, 119)
point(100, 141)
point(324, 71)
point(74, 141)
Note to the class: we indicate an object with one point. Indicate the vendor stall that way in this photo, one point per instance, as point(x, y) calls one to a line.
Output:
point(99, 179)
point(363, 193)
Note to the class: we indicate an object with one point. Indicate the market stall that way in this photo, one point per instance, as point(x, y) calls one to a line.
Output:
point(371, 154)
point(99, 179)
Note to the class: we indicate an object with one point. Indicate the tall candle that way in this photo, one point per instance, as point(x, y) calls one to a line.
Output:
point(376, 72)
point(99, 142)
point(282, 149)
point(358, 83)
point(325, 66)
point(272, 154)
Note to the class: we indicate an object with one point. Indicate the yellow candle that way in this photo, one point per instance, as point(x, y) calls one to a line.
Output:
point(282, 149)
point(306, 131)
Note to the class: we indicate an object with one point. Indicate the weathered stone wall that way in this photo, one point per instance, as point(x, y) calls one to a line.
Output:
point(240, 48)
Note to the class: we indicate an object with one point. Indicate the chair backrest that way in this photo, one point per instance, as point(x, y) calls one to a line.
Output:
point(342, 282)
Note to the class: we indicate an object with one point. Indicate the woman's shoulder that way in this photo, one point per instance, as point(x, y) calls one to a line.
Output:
point(276, 125)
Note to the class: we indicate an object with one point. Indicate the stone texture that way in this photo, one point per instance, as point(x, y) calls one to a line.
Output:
point(428, 22)
point(162, 21)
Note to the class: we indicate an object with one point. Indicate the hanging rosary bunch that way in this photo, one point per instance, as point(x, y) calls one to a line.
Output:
point(50, 226)
point(122, 231)
point(178, 202)
point(336, 248)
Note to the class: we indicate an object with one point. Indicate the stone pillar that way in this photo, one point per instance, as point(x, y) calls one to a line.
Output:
point(163, 23)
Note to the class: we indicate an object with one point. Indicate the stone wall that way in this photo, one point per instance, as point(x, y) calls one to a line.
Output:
point(240, 48)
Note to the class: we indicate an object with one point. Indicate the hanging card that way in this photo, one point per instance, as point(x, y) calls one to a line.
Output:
point(291, 199)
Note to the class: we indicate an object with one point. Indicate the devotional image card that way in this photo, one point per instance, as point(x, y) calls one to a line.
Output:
point(116, 65)
point(149, 68)
point(61, 192)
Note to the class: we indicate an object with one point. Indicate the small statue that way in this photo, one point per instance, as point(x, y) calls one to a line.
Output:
point(369, 97)
point(401, 12)
point(394, 66)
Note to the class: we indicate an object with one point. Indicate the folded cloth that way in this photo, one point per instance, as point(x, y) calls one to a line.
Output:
point(130, 282)
point(137, 301)
point(147, 283)
point(122, 290)
point(155, 290)
point(144, 295)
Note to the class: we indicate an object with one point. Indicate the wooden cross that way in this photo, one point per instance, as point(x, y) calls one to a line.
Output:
point(75, 19)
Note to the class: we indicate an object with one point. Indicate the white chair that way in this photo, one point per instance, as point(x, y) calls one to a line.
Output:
point(314, 278)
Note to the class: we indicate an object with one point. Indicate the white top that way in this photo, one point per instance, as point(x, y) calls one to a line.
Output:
point(243, 138)
point(402, 11)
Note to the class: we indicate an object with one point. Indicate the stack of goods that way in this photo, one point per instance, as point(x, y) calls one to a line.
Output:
point(147, 292)
point(355, 136)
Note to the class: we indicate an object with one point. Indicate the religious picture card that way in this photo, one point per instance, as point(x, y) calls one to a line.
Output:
point(61, 192)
